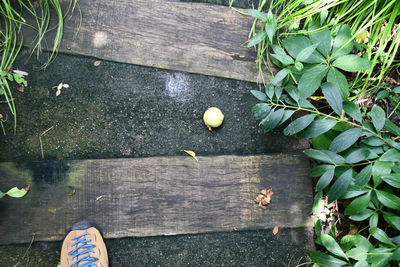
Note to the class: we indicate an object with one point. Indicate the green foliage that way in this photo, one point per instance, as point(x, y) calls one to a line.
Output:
point(357, 149)
point(13, 16)
point(371, 26)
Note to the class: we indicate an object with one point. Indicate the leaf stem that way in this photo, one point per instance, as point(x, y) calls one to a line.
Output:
point(315, 111)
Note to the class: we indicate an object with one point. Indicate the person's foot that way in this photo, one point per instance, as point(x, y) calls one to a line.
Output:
point(84, 246)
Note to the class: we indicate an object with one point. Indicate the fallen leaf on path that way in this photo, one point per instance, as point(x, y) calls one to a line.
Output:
point(16, 193)
point(275, 230)
point(191, 153)
point(58, 92)
point(97, 63)
point(264, 198)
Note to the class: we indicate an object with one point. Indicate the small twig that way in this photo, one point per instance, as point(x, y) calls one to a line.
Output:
point(26, 252)
point(40, 140)
point(7, 101)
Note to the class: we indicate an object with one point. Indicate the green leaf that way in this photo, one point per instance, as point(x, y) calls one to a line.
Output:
point(318, 204)
point(2, 195)
point(261, 110)
point(278, 50)
point(380, 235)
point(379, 169)
point(393, 220)
point(280, 76)
point(379, 257)
point(259, 95)
point(272, 120)
point(325, 260)
point(333, 97)
point(378, 117)
point(311, 80)
point(304, 103)
point(332, 246)
point(373, 220)
point(349, 241)
point(387, 199)
point(295, 44)
point(321, 142)
point(364, 176)
point(270, 29)
point(306, 53)
point(345, 140)
point(320, 169)
point(358, 204)
point(16, 193)
point(353, 110)
point(373, 141)
point(278, 92)
point(299, 124)
point(284, 59)
point(324, 156)
point(358, 217)
point(293, 92)
point(391, 127)
point(392, 179)
point(357, 254)
point(391, 155)
point(382, 95)
point(258, 38)
point(317, 128)
point(352, 63)
point(325, 179)
point(364, 243)
point(256, 14)
point(340, 186)
point(286, 115)
point(361, 264)
point(353, 191)
point(323, 40)
point(342, 43)
point(269, 90)
point(336, 77)
point(357, 155)
point(396, 255)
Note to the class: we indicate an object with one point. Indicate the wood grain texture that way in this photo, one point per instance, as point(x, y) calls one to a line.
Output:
point(192, 37)
point(154, 196)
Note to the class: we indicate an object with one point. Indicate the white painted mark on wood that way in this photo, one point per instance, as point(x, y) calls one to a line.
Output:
point(177, 86)
point(100, 39)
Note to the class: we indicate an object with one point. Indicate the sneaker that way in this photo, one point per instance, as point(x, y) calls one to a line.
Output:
point(84, 247)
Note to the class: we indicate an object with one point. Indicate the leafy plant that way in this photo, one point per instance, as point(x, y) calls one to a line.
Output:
point(13, 16)
point(374, 24)
point(357, 149)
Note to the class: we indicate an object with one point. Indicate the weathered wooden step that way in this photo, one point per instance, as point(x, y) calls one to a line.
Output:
point(154, 196)
point(192, 37)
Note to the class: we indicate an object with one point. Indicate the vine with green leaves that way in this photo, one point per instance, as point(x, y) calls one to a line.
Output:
point(355, 147)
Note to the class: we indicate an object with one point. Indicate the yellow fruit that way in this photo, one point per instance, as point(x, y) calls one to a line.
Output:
point(213, 118)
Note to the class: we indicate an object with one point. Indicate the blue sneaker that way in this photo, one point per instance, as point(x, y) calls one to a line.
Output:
point(84, 247)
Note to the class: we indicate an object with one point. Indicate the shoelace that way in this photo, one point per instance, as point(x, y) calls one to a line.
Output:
point(82, 246)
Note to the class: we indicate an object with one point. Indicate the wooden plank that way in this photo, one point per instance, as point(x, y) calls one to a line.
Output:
point(154, 196)
point(192, 37)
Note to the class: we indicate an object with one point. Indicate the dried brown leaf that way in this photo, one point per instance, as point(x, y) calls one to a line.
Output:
point(275, 230)
point(21, 88)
